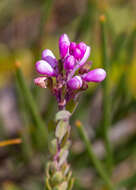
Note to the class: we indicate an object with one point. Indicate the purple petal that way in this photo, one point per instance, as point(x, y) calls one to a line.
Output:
point(40, 81)
point(77, 53)
point(72, 47)
point(82, 46)
point(44, 68)
point(75, 83)
point(85, 57)
point(96, 75)
point(48, 56)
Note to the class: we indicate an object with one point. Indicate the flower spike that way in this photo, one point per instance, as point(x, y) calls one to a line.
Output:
point(66, 87)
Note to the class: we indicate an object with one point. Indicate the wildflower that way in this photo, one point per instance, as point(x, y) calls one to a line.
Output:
point(66, 78)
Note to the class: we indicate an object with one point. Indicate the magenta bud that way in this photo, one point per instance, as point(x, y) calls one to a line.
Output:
point(40, 81)
point(85, 57)
point(77, 53)
point(63, 48)
point(96, 75)
point(75, 83)
point(69, 63)
point(44, 68)
point(82, 46)
point(72, 47)
point(64, 44)
point(48, 56)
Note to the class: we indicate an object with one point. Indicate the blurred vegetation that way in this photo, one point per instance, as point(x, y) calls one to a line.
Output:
point(107, 111)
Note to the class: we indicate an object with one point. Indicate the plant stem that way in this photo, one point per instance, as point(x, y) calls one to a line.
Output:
point(98, 165)
point(106, 123)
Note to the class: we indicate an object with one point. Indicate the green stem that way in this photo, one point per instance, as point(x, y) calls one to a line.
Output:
point(106, 96)
point(98, 165)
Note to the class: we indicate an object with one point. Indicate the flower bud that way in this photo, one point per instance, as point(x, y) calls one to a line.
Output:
point(48, 56)
point(72, 47)
point(75, 83)
point(69, 63)
point(63, 48)
point(44, 68)
point(96, 75)
point(40, 81)
point(64, 44)
point(77, 54)
point(85, 57)
point(82, 46)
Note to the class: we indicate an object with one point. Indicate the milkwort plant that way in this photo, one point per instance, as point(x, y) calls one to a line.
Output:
point(66, 78)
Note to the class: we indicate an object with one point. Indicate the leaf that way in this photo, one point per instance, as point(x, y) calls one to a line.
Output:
point(61, 129)
point(63, 115)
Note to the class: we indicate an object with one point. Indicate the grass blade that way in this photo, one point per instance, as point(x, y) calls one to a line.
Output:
point(106, 121)
point(92, 156)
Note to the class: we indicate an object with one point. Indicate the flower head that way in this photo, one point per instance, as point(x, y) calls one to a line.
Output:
point(73, 59)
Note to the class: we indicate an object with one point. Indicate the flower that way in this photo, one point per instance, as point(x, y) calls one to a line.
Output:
point(71, 71)
point(44, 68)
point(96, 75)
point(75, 83)
point(69, 62)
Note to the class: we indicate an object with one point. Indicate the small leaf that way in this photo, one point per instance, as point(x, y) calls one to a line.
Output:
point(61, 129)
point(63, 115)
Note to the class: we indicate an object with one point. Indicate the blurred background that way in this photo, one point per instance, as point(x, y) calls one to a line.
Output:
point(26, 111)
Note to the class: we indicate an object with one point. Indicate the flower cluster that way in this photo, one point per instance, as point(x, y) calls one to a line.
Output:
point(71, 71)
